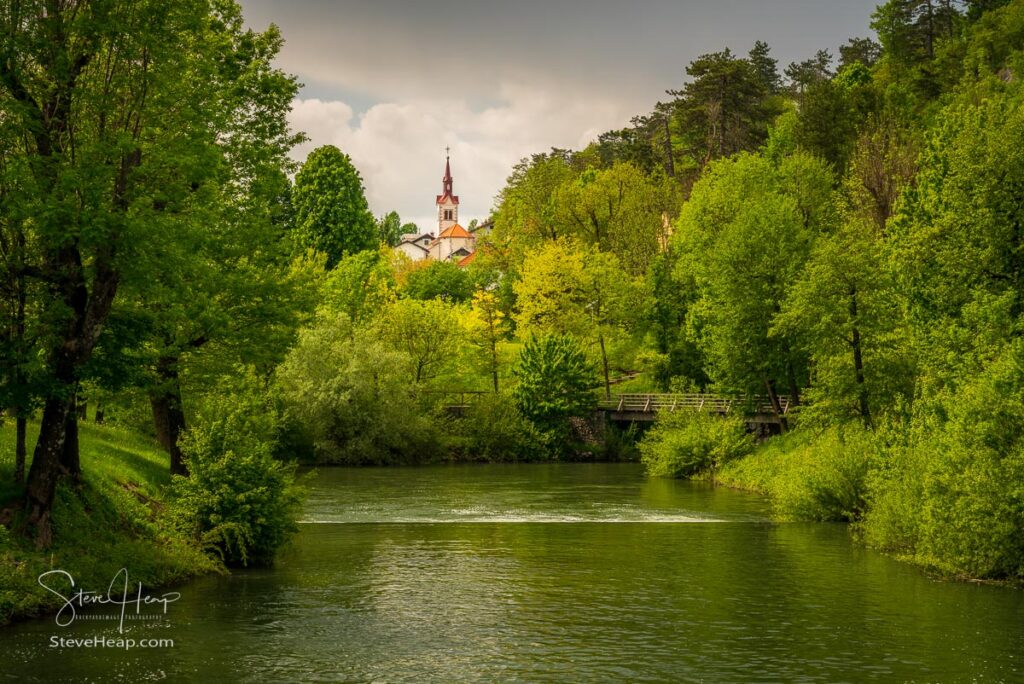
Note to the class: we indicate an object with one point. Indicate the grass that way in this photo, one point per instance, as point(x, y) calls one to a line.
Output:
point(114, 520)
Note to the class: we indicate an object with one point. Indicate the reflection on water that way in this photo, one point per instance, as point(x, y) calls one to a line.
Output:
point(418, 575)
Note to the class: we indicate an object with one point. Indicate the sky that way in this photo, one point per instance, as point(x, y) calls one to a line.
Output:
point(393, 83)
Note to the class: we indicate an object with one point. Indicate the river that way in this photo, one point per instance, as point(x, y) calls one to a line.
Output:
point(563, 572)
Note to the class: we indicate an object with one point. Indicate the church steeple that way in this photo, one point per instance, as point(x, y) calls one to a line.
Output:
point(447, 201)
point(446, 182)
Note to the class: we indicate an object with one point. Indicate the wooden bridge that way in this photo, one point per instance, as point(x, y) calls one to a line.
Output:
point(630, 408)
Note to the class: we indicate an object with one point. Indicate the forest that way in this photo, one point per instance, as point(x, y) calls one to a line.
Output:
point(844, 232)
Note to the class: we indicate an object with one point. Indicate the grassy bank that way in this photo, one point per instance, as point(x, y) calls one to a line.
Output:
point(115, 520)
point(946, 504)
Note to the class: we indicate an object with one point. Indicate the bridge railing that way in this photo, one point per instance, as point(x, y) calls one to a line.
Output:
point(712, 403)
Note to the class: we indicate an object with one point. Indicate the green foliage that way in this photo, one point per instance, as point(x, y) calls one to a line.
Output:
point(494, 430)
point(686, 443)
point(957, 245)
point(810, 476)
point(742, 239)
point(350, 393)
point(237, 501)
point(428, 333)
point(389, 229)
point(331, 214)
point(844, 312)
point(360, 286)
point(555, 383)
point(725, 108)
point(116, 519)
point(951, 491)
point(440, 279)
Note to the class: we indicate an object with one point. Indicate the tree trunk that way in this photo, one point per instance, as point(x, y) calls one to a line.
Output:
point(69, 455)
point(604, 363)
point(168, 417)
point(20, 448)
point(773, 399)
point(82, 409)
point(494, 364)
point(670, 165)
point(46, 469)
point(858, 362)
point(99, 414)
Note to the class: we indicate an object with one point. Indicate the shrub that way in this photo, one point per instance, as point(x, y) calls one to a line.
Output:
point(494, 430)
point(827, 477)
point(237, 501)
point(952, 492)
point(556, 383)
point(352, 398)
point(684, 444)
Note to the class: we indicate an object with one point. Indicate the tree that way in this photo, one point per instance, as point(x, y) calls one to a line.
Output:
point(765, 67)
point(225, 283)
point(439, 279)
point(863, 50)
point(617, 210)
point(349, 392)
point(957, 243)
point(577, 290)
point(390, 229)
point(804, 74)
point(428, 332)
point(844, 310)
point(525, 212)
point(724, 108)
point(485, 329)
point(331, 214)
point(116, 149)
point(742, 239)
point(828, 123)
point(360, 286)
point(554, 382)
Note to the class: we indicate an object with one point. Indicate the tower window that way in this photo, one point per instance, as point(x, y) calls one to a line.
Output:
point(447, 214)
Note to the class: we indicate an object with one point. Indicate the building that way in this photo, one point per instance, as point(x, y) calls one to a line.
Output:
point(453, 242)
point(416, 247)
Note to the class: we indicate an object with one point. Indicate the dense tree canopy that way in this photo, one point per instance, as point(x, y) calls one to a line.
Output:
point(331, 213)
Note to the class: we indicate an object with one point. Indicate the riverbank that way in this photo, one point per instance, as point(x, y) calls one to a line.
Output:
point(117, 519)
point(922, 501)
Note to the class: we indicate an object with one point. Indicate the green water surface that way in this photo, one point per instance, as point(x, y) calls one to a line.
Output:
point(567, 573)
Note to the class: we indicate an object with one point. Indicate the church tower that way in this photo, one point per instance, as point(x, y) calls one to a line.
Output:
point(447, 203)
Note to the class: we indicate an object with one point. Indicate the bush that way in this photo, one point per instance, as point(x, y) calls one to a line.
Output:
point(556, 383)
point(809, 475)
point(352, 398)
point(952, 492)
point(684, 443)
point(237, 501)
point(494, 430)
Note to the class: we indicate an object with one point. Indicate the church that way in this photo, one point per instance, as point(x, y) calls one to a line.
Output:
point(453, 242)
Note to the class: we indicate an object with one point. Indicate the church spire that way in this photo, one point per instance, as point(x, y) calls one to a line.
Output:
point(447, 202)
point(446, 182)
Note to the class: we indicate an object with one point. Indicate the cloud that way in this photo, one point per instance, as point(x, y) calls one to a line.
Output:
point(392, 82)
point(399, 147)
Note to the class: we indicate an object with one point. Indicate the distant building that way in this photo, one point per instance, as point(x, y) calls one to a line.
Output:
point(416, 247)
point(453, 242)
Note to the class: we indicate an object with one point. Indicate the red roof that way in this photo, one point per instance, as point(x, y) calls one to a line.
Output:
point(454, 231)
point(466, 260)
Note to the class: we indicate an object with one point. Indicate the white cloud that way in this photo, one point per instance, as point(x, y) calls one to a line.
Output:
point(398, 147)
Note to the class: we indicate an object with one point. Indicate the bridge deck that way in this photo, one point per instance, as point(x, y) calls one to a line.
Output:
point(644, 407)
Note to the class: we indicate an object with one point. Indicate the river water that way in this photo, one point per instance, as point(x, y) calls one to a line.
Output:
point(565, 572)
